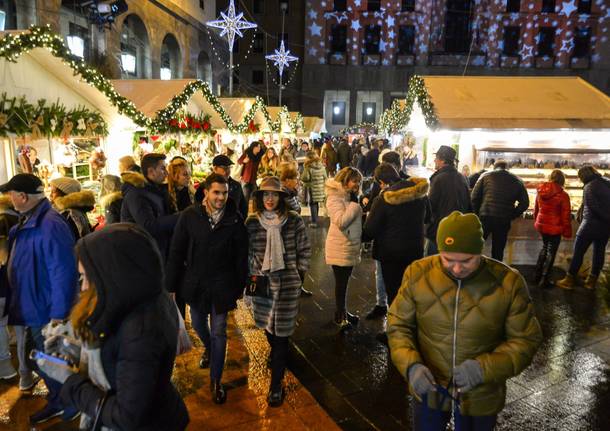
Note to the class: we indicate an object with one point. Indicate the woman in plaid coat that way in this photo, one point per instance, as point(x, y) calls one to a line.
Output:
point(278, 249)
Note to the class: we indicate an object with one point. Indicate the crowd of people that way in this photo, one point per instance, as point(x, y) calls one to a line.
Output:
point(111, 299)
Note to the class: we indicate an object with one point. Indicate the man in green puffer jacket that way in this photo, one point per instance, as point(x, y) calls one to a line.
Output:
point(464, 322)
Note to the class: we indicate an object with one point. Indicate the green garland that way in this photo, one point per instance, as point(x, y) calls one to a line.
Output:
point(12, 46)
point(397, 118)
point(295, 124)
point(185, 123)
point(40, 120)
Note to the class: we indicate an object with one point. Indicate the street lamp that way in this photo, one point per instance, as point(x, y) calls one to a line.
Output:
point(128, 62)
point(166, 73)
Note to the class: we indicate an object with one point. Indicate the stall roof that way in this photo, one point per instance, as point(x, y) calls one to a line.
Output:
point(494, 102)
point(150, 95)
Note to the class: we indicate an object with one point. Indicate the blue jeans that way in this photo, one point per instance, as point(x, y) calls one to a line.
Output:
point(581, 245)
point(382, 296)
point(436, 420)
point(212, 330)
point(5, 352)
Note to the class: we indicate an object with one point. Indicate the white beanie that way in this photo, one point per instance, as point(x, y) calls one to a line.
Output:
point(66, 184)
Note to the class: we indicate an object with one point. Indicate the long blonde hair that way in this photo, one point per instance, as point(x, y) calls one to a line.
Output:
point(173, 169)
point(81, 311)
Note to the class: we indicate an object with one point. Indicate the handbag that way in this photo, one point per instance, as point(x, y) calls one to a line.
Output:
point(258, 286)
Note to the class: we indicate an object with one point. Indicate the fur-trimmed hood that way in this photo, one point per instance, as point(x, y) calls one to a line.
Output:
point(134, 178)
point(83, 200)
point(334, 187)
point(110, 198)
point(406, 191)
point(6, 203)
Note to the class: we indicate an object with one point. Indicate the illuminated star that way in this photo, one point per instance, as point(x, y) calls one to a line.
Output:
point(313, 51)
point(313, 14)
point(231, 24)
point(566, 45)
point(315, 29)
point(568, 8)
point(357, 3)
point(382, 46)
point(281, 58)
point(390, 21)
point(356, 25)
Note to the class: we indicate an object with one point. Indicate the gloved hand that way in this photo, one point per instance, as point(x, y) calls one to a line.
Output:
point(59, 373)
point(468, 375)
point(421, 379)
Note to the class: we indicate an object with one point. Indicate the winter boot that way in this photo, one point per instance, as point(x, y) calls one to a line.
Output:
point(568, 282)
point(540, 266)
point(590, 282)
point(546, 271)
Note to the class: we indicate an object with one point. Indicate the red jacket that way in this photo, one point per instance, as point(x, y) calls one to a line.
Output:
point(552, 212)
point(249, 169)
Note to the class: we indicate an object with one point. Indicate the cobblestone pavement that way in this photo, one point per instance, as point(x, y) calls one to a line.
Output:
point(567, 387)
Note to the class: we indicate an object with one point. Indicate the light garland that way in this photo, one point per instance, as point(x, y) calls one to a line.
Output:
point(12, 46)
point(396, 118)
point(294, 73)
point(281, 59)
point(231, 24)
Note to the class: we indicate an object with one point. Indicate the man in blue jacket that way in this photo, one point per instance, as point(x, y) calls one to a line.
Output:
point(41, 273)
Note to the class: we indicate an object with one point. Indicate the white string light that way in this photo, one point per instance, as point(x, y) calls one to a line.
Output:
point(231, 24)
point(281, 58)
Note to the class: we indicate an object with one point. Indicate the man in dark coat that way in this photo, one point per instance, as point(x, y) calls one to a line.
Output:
point(208, 267)
point(42, 280)
point(146, 200)
point(371, 159)
point(396, 243)
point(221, 165)
point(448, 192)
point(493, 199)
point(344, 154)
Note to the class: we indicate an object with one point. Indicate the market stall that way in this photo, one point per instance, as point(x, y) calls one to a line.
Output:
point(58, 117)
point(312, 127)
point(537, 124)
point(247, 118)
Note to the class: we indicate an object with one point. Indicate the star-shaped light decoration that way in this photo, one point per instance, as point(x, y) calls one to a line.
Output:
point(231, 24)
point(281, 58)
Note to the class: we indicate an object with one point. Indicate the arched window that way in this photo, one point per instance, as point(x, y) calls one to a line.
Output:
point(204, 67)
point(135, 49)
point(171, 59)
point(8, 15)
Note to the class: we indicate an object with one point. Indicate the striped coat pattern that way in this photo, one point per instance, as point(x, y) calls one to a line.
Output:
point(278, 314)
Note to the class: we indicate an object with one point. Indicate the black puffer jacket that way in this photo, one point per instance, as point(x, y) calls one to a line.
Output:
point(496, 193)
point(344, 154)
point(137, 325)
point(596, 208)
point(147, 205)
point(448, 192)
point(396, 221)
point(209, 265)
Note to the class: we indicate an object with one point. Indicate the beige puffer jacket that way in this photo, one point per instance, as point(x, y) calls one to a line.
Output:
point(345, 231)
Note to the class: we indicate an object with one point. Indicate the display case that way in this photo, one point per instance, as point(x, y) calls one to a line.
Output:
point(534, 165)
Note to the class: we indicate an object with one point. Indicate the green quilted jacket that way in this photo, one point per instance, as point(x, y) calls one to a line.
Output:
point(496, 326)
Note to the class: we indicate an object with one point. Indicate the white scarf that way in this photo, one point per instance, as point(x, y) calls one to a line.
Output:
point(274, 250)
point(214, 216)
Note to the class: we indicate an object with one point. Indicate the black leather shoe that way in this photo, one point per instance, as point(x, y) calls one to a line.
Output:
point(219, 394)
point(305, 292)
point(275, 398)
point(378, 311)
point(204, 362)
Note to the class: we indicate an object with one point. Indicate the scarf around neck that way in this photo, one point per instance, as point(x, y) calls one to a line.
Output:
point(274, 249)
point(214, 216)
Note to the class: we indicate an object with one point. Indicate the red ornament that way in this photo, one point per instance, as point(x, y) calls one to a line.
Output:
point(206, 125)
point(196, 125)
point(173, 122)
point(154, 137)
point(183, 125)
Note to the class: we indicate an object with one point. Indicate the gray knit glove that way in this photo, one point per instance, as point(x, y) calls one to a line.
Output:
point(468, 375)
point(421, 379)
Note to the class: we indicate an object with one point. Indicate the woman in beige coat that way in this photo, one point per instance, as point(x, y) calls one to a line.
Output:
point(344, 233)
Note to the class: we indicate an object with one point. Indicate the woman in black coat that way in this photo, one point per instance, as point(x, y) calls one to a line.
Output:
point(208, 268)
point(128, 325)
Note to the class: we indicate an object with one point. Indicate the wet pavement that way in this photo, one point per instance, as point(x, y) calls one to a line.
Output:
point(567, 387)
point(246, 377)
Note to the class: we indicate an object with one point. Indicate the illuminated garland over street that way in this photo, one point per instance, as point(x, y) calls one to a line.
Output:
point(396, 118)
point(12, 46)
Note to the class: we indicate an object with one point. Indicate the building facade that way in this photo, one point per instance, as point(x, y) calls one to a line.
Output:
point(360, 54)
point(277, 20)
point(151, 39)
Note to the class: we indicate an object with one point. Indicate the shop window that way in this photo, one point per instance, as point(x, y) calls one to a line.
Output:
point(258, 45)
point(8, 15)
point(372, 37)
point(406, 39)
point(258, 7)
point(513, 5)
point(338, 38)
point(582, 42)
point(548, 6)
point(368, 112)
point(258, 77)
point(584, 6)
point(407, 5)
point(511, 40)
point(546, 42)
point(457, 26)
point(340, 5)
point(338, 117)
point(373, 5)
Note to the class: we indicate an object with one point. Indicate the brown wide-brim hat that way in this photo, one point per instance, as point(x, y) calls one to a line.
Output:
point(271, 184)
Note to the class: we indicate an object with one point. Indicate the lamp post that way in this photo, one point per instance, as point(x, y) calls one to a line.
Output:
point(231, 25)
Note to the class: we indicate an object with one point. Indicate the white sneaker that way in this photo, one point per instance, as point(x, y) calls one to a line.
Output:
point(7, 371)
